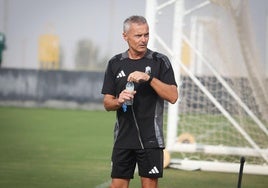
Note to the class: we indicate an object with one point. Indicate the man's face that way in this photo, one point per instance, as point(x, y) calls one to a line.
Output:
point(137, 37)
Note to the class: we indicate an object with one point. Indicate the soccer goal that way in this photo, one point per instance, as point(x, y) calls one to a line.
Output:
point(222, 112)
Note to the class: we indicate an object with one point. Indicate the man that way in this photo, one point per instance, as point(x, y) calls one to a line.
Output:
point(138, 133)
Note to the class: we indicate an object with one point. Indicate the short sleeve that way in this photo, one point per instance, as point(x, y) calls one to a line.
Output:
point(108, 86)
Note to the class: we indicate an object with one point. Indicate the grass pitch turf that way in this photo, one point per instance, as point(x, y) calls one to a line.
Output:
point(41, 148)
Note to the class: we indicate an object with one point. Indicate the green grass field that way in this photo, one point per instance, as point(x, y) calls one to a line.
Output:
point(49, 148)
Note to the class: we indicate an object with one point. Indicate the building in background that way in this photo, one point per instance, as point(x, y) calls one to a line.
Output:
point(48, 51)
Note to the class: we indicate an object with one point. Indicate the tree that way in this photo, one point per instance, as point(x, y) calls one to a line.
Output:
point(87, 56)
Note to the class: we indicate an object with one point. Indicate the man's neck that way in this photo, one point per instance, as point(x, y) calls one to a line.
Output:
point(136, 55)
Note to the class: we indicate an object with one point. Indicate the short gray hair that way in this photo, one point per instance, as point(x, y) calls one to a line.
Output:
point(133, 19)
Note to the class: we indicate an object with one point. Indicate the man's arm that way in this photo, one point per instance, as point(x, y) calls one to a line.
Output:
point(165, 91)
point(111, 103)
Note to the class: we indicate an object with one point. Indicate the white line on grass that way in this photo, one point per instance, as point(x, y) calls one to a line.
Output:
point(104, 185)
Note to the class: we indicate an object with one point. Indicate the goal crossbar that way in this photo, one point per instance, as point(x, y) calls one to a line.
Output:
point(216, 149)
point(215, 166)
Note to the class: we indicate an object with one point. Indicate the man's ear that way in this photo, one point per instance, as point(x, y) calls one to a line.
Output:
point(125, 36)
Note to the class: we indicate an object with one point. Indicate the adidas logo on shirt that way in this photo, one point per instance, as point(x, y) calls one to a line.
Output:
point(121, 74)
point(154, 170)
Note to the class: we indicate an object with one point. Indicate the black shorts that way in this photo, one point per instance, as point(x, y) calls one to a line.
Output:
point(149, 161)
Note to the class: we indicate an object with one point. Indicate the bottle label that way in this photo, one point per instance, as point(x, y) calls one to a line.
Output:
point(129, 87)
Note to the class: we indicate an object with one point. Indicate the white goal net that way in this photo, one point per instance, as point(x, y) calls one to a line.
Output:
point(222, 113)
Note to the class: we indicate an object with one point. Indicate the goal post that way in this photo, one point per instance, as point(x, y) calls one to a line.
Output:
point(222, 111)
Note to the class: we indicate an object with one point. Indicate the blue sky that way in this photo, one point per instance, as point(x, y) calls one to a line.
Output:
point(100, 21)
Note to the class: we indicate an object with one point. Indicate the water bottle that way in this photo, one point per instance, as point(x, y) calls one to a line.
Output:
point(129, 87)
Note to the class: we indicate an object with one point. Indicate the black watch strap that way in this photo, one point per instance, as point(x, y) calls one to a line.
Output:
point(150, 79)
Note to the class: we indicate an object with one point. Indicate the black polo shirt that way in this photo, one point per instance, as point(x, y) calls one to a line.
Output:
point(141, 125)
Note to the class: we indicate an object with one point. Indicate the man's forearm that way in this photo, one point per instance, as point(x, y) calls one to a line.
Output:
point(165, 91)
point(111, 103)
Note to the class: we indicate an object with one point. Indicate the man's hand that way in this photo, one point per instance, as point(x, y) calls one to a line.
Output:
point(112, 103)
point(138, 77)
point(125, 95)
point(165, 91)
